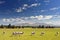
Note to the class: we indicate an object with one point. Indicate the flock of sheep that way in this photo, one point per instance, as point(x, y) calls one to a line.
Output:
point(32, 33)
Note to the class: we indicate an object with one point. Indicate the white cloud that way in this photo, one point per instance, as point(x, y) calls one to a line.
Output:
point(7, 20)
point(26, 18)
point(35, 4)
point(48, 17)
point(26, 6)
point(32, 17)
point(4, 20)
point(25, 21)
point(46, 0)
point(49, 22)
point(12, 20)
point(22, 19)
point(19, 9)
point(57, 23)
point(2, 2)
point(31, 22)
point(55, 8)
point(41, 17)
point(43, 10)
point(18, 19)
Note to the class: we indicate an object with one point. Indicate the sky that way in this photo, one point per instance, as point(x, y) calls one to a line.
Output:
point(19, 12)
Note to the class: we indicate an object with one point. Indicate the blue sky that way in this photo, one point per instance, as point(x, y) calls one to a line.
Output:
point(30, 12)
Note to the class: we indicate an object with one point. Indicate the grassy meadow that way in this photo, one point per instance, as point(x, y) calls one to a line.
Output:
point(49, 34)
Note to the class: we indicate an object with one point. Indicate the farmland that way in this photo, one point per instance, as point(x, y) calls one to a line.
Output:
point(49, 34)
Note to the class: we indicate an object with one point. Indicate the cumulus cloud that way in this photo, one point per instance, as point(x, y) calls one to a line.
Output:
point(12, 20)
point(8, 20)
point(19, 9)
point(26, 19)
point(26, 6)
point(48, 17)
point(34, 4)
point(41, 17)
point(4, 20)
point(55, 8)
point(18, 19)
point(32, 17)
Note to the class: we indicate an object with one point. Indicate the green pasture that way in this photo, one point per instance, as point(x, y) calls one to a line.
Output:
point(49, 34)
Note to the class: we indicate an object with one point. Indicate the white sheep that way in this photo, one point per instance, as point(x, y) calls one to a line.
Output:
point(42, 33)
point(32, 33)
point(20, 32)
point(16, 33)
point(3, 32)
point(57, 33)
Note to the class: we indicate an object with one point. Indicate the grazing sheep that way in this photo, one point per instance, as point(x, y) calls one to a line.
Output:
point(42, 33)
point(3, 32)
point(32, 33)
point(57, 33)
point(16, 33)
point(20, 32)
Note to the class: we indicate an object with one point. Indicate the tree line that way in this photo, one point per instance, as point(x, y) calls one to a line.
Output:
point(13, 26)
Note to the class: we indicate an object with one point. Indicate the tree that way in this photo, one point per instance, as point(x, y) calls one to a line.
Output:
point(2, 26)
point(22, 26)
point(39, 26)
point(42, 26)
point(9, 26)
point(12, 26)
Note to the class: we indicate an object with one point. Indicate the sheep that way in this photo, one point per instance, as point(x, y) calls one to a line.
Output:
point(20, 32)
point(32, 33)
point(16, 33)
point(56, 33)
point(3, 32)
point(42, 33)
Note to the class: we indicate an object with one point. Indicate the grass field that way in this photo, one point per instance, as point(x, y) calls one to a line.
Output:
point(49, 34)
